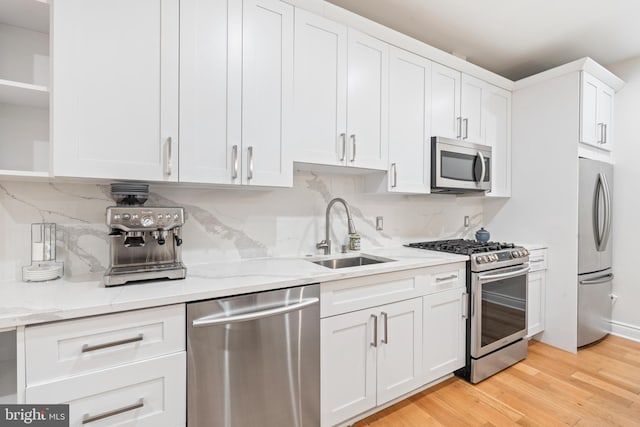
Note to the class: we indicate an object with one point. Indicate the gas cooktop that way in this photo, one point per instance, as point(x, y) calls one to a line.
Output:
point(462, 246)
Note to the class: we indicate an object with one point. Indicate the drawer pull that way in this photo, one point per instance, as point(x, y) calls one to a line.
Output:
point(536, 260)
point(91, 418)
point(87, 348)
point(442, 279)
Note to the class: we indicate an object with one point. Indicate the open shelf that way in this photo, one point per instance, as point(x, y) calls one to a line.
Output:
point(30, 14)
point(24, 94)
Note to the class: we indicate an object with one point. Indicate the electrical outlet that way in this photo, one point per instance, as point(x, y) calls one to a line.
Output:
point(379, 223)
point(466, 221)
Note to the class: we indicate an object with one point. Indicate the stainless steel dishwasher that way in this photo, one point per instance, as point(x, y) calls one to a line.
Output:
point(254, 360)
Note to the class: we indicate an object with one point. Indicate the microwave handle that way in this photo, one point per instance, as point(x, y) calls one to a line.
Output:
point(482, 167)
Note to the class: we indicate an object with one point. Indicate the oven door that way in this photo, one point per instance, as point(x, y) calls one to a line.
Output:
point(461, 166)
point(498, 309)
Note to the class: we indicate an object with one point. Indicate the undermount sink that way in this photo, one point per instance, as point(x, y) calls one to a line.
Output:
point(355, 261)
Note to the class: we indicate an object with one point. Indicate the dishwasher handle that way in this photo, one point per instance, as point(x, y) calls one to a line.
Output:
point(254, 315)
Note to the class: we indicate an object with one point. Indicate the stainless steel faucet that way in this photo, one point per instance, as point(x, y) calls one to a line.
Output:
point(326, 243)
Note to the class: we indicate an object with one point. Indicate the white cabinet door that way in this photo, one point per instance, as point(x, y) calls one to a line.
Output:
point(497, 132)
point(536, 302)
point(348, 365)
point(409, 123)
point(115, 74)
point(399, 349)
point(471, 108)
point(210, 81)
point(367, 101)
point(444, 340)
point(445, 102)
point(320, 89)
point(596, 112)
point(267, 92)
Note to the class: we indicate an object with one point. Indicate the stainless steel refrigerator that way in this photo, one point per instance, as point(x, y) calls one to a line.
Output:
point(594, 250)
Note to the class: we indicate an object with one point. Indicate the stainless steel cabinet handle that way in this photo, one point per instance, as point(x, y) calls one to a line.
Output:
point(442, 279)
point(254, 315)
point(87, 348)
point(343, 138)
point(353, 148)
point(536, 260)
point(466, 128)
point(503, 275)
point(459, 126)
point(168, 160)
point(250, 162)
point(600, 127)
point(375, 331)
point(91, 418)
point(597, 280)
point(465, 305)
point(394, 182)
point(234, 161)
point(385, 340)
point(606, 138)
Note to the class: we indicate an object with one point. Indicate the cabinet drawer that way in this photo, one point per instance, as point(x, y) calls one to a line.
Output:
point(343, 296)
point(445, 277)
point(147, 393)
point(538, 259)
point(63, 349)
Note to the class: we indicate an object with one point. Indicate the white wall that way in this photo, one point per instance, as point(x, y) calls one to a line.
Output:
point(226, 223)
point(626, 200)
point(544, 204)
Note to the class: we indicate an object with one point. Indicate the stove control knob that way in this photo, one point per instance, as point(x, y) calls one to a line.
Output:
point(515, 254)
point(117, 217)
point(526, 252)
point(147, 221)
point(159, 216)
point(126, 217)
point(479, 259)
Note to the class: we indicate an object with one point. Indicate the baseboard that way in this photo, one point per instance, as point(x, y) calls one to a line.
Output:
point(625, 330)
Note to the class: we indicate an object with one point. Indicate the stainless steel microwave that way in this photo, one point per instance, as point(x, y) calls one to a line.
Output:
point(459, 167)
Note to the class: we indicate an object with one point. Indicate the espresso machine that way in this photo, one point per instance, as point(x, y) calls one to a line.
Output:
point(146, 241)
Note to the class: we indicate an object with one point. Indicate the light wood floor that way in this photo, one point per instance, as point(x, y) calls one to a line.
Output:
point(599, 386)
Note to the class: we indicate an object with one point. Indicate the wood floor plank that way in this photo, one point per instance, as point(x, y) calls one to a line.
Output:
point(598, 386)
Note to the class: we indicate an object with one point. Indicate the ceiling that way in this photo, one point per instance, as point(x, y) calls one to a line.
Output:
point(514, 38)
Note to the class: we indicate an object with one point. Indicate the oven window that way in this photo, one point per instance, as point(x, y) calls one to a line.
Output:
point(503, 308)
point(461, 167)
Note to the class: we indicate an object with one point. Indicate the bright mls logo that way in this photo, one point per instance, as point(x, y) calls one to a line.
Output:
point(34, 415)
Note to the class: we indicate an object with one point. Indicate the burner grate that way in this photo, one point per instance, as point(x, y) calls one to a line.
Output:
point(461, 246)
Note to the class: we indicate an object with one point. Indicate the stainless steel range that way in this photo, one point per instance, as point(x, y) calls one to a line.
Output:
point(497, 284)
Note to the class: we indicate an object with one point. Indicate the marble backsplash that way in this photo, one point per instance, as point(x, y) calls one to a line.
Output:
point(226, 223)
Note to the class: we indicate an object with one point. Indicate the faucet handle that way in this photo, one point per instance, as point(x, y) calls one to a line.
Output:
point(325, 245)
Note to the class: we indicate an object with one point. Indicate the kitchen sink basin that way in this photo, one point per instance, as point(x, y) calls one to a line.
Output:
point(355, 261)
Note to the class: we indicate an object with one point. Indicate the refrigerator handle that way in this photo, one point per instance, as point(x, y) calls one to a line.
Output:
point(603, 279)
point(596, 213)
point(607, 213)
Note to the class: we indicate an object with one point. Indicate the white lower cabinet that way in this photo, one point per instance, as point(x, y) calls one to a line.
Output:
point(118, 369)
point(387, 335)
point(376, 357)
point(536, 291)
point(148, 393)
point(443, 343)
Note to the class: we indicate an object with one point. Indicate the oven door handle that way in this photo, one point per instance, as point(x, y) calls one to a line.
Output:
point(504, 275)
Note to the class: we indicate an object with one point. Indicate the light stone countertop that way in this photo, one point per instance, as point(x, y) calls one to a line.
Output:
point(31, 303)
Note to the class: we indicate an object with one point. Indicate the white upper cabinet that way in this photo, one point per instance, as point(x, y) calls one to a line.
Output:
point(320, 89)
point(115, 77)
point(205, 143)
point(340, 95)
point(409, 122)
point(367, 101)
point(473, 92)
point(596, 112)
point(236, 92)
point(445, 102)
point(497, 131)
point(267, 92)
